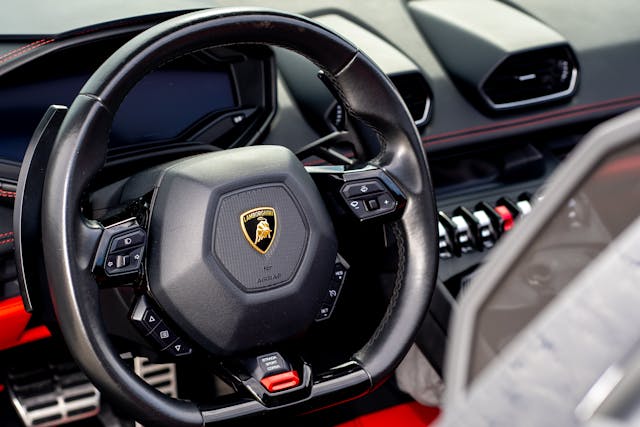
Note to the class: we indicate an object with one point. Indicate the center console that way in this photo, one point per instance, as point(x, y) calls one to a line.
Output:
point(482, 195)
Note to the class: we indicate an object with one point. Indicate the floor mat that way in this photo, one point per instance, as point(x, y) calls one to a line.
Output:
point(410, 414)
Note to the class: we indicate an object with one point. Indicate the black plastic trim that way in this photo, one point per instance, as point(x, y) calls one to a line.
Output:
point(28, 205)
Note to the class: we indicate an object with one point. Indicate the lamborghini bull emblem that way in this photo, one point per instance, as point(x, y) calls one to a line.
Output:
point(259, 228)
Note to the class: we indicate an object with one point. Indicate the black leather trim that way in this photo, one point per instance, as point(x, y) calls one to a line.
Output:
point(370, 96)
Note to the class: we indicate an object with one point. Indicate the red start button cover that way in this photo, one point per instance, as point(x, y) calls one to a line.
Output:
point(281, 381)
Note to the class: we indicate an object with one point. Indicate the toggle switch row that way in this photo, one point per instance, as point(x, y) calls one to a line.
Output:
point(468, 230)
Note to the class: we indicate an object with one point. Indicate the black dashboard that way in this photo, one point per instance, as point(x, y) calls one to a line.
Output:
point(487, 163)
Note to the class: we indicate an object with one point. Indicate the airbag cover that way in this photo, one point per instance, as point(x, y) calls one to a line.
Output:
point(228, 285)
point(252, 269)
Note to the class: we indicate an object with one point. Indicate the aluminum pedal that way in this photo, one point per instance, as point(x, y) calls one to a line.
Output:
point(160, 376)
point(52, 395)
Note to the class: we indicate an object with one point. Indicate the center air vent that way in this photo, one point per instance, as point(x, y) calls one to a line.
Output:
point(531, 78)
point(415, 93)
point(497, 55)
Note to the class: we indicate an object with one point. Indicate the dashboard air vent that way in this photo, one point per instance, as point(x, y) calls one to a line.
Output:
point(531, 77)
point(415, 92)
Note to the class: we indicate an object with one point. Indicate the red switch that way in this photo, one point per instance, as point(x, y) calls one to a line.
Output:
point(507, 217)
point(281, 381)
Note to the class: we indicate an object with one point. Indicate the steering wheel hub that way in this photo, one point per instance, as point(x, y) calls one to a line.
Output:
point(241, 247)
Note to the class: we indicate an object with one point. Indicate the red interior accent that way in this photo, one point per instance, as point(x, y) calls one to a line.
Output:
point(281, 381)
point(14, 319)
point(410, 414)
point(7, 241)
point(559, 114)
point(24, 49)
point(505, 213)
point(34, 334)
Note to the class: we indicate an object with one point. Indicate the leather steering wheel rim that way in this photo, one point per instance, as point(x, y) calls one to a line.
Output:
point(80, 152)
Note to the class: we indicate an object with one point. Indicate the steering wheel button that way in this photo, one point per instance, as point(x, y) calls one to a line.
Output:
point(122, 261)
point(163, 335)
point(271, 364)
point(111, 264)
point(128, 240)
point(150, 319)
point(386, 203)
point(362, 188)
point(357, 206)
point(280, 382)
point(135, 258)
point(372, 205)
point(179, 348)
point(333, 292)
point(339, 273)
point(144, 317)
point(324, 312)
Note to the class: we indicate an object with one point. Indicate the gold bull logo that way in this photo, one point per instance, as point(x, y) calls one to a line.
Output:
point(259, 226)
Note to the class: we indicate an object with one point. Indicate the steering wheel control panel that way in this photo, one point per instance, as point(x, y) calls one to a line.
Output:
point(150, 324)
point(335, 286)
point(125, 253)
point(368, 198)
point(120, 253)
point(469, 230)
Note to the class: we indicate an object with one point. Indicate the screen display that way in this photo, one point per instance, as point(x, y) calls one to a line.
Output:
point(167, 102)
point(160, 107)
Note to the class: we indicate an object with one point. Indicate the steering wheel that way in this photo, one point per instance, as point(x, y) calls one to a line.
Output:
point(213, 224)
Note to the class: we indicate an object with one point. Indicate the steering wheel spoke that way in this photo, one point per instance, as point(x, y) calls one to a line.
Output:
point(317, 389)
point(323, 148)
point(120, 253)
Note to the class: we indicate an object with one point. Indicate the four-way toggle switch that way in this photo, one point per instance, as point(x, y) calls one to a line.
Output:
point(368, 198)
